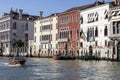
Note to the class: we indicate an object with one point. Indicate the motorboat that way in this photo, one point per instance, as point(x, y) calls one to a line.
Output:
point(17, 61)
point(57, 57)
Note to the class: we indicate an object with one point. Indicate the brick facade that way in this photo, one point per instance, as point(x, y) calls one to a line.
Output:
point(73, 26)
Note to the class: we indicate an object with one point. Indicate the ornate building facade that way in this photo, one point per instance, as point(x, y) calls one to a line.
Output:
point(68, 31)
point(96, 26)
point(15, 26)
point(115, 29)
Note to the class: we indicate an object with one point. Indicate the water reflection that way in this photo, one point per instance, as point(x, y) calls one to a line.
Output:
point(48, 69)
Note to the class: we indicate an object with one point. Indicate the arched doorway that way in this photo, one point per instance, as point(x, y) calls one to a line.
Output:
point(90, 51)
point(118, 50)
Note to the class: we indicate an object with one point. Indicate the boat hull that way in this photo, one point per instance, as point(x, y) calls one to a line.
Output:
point(16, 62)
point(59, 57)
point(56, 57)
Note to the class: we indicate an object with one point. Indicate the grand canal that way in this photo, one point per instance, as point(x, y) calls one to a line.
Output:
point(48, 69)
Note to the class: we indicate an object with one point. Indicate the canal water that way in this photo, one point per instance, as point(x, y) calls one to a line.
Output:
point(49, 69)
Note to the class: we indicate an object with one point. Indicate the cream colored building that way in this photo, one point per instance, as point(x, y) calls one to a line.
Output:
point(45, 35)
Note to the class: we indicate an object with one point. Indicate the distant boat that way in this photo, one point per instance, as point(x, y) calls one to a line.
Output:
point(60, 57)
point(17, 61)
point(57, 57)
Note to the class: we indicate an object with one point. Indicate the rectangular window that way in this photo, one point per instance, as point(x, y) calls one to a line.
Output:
point(35, 39)
point(26, 37)
point(56, 46)
point(65, 20)
point(105, 43)
point(51, 26)
point(114, 50)
point(50, 37)
point(35, 47)
point(70, 35)
point(40, 29)
point(118, 27)
point(105, 31)
point(46, 27)
point(7, 25)
point(40, 38)
point(81, 44)
point(70, 18)
point(26, 27)
point(77, 34)
point(56, 36)
point(56, 25)
point(14, 25)
point(77, 44)
point(114, 25)
point(96, 32)
point(35, 29)
point(51, 46)
point(45, 46)
point(96, 44)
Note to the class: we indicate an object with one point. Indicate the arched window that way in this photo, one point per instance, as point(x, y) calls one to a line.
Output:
point(14, 25)
point(114, 24)
point(105, 31)
point(118, 27)
point(96, 16)
point(96, 32)
point(60, 35)
point(81, 20)
point(106, 14)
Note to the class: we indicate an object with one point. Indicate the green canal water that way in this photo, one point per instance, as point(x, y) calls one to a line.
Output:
point(49, 69)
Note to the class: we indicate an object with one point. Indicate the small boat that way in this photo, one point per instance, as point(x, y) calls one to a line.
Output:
point(17, 61)
point(57, 57)
point(60, 57)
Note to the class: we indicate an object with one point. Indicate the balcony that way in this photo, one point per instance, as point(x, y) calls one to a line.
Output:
point(63, 40)
point(45, 41)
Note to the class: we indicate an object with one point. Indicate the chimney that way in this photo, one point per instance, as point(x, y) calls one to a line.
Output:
point(20, 14)
point(96, 2)
point(41, 14)
point(103, 1)
point(55, 14)
point(11, 11)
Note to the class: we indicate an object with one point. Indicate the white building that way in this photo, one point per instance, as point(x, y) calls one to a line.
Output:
point(95, 25)
point(115, 30)
point(45, 35)
point(14, 27)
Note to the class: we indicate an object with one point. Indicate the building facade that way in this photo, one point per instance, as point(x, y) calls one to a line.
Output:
point(115, 30)
point(45, 36)
point(68, 32)
point(15, 27)
point(95, 24)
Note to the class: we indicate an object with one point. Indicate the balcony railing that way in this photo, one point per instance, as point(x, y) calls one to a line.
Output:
point(45, 41)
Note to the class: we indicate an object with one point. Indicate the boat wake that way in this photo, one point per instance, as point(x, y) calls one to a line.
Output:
point(17, 65)
point(3, 64)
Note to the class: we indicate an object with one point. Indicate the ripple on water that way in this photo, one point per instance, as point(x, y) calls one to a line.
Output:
point(48, 69)
point(3, 64)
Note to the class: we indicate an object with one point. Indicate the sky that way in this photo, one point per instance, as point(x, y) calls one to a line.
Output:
point(33, 7)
